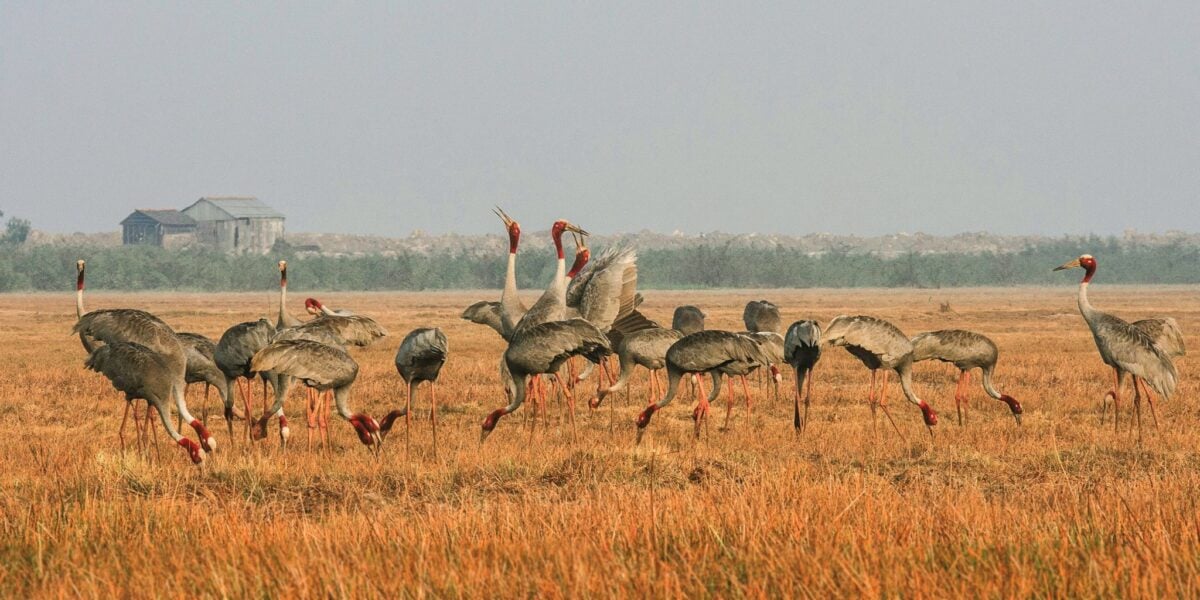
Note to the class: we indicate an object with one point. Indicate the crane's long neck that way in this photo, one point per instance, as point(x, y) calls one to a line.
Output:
point(1085, 307)
point(510, 303)
point(285, 319)
point(987, 383)
point(79, 310)
point(341, 397)
point(521, 383)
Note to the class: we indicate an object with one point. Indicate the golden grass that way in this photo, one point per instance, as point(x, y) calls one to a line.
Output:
point(1062, 507)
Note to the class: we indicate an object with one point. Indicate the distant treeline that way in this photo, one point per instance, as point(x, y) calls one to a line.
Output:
point(715, 266)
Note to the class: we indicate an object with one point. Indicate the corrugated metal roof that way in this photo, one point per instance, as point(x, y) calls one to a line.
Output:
point(167, 216)
point(240, 207)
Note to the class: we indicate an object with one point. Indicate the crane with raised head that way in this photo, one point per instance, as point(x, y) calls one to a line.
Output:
point(1125, 348)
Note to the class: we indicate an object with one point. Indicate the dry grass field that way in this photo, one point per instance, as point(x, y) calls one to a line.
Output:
point(1061, 507)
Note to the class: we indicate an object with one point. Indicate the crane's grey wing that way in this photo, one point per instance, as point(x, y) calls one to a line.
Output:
point(239, 343)
point(801, 335)
point(543, 346)
point(875, 335)
point(709, 349)
point(197, 344)
point(486, 313)
point(628, 324)
point(312, 361)
point(688, 319)
point(127, 365)
point(761, 315)
point(1136, 352)
point(611, 290)
point(128, 325)
point(953, 345)
point(316, 333)
point(1165, 332)
point(355, 330)
point(770, 343)
point(423, 345)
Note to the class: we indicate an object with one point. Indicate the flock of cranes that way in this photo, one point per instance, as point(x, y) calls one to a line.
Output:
point(589, 310)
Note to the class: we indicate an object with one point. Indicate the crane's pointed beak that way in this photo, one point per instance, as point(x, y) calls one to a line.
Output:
point(1073, 264)
point(576, 229)
point(503, 216)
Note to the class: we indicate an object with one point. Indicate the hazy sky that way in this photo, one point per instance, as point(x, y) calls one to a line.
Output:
point(777, 117)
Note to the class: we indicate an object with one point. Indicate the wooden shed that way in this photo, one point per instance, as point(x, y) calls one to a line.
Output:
point(236, 223)
point(157, 227)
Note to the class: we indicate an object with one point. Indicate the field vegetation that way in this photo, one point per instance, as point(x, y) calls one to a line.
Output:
point(1063, 506)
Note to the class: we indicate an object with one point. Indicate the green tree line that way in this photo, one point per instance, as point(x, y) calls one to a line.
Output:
point(701, 266)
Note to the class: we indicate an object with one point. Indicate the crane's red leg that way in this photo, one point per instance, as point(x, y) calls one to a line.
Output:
point(808, 395)
point(746, 392)
point(323, 418)
point(433, 414)
point(871, 401)
point(1115, 392)
point(1149, 400)
point(728, 401)
point(408, 421)
point(958, 395)
point(121, 432)
point(310, 416)
point(1137, 408)
point(884, 406)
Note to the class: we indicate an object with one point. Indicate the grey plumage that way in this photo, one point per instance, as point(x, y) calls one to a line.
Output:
point(321, 367)
point(879, 345)
point(648, 348)
point(606, 288)
point(487, 313)
point(688, 319)
point(542, 349)
point(419, 358)
point(1125, 348)
point(346, 330)
point(715, 352)
point(1166, 334)
point(802, 350)
point(202, 365)
point(422, 354)
point(966, 350)
point(761, 315)
point(142, 374)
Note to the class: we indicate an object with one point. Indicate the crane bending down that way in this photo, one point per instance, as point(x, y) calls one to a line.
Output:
point(761, 315)
point(714, 352)
point(688, 319)
point(320, 366)
point(233, 354)
point(1125, 348)
point(802, 350)
point(139, 327)
point(880, 345)
point(202, 368)
point(967, 350)
point(419, 358)
point(542, 349)
point(199, 366)
point(647, 348)
point(336, 328)
point(142, 373)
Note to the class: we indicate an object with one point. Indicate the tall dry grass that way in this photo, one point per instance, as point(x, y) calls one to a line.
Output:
point(1061, 507)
